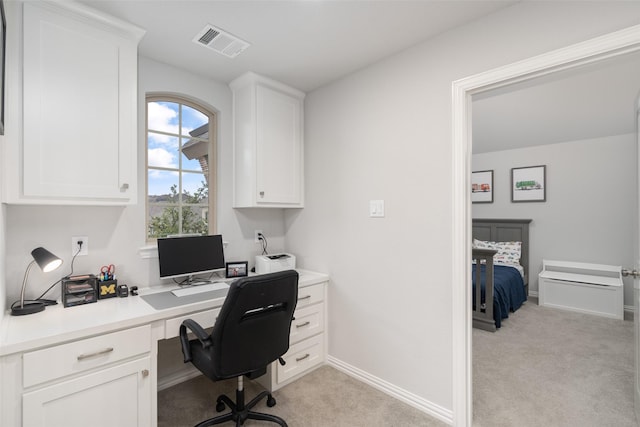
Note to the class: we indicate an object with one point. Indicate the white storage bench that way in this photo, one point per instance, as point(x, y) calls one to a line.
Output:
point(587, 288)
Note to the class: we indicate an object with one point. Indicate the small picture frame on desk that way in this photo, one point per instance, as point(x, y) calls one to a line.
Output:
point(237, 269)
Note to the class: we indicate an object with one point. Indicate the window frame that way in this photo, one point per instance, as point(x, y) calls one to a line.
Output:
point(212, 151)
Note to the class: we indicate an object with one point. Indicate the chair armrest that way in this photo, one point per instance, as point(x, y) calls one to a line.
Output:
point(198, 331)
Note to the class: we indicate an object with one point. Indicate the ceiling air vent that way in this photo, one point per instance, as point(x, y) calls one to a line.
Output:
point(220, 41)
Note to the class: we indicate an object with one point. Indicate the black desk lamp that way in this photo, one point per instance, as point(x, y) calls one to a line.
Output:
point(47, 262)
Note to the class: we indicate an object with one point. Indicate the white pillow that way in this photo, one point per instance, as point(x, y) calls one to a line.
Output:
point(509, 253)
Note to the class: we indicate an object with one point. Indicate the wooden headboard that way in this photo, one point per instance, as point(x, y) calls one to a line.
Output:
point(506, 230)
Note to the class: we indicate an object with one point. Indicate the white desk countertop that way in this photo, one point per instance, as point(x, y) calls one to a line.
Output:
point(57, 324)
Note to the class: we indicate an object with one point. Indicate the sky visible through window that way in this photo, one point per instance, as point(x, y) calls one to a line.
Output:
point(178, 148)
point(164, 117)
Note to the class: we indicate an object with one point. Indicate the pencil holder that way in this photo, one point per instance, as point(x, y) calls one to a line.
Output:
point(107, 289)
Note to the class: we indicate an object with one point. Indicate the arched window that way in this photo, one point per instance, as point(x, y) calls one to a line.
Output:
point(181, 150)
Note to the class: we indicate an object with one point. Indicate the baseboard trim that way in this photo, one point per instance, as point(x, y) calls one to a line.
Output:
point(629, 309)
point(177, 378)
point(409, 398)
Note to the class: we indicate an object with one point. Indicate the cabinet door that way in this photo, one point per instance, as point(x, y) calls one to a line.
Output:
point(79, 84)
point(279, 147)
point(117, 396)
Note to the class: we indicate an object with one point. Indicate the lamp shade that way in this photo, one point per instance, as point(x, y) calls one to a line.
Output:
point(47, 262)
point(45, 259)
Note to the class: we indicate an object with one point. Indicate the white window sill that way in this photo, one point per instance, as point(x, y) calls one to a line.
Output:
point(150, 251)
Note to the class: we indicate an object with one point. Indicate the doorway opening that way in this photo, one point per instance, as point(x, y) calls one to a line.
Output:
point(591, 51)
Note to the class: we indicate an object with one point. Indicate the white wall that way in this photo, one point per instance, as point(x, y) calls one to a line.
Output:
point(590, 212)
point(385, 133)
point(116, 233)
point(3, 233)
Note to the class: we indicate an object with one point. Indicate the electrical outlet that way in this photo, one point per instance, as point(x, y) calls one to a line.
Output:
point(256, 236)
point(85, 245)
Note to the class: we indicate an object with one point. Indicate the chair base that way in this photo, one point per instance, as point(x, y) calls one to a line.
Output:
point(240, 413)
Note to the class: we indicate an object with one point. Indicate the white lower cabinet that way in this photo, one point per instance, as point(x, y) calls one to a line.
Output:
point(99, 381)
point(300, 358)
point(107, 375)
point(307, 340)
point(116, 396)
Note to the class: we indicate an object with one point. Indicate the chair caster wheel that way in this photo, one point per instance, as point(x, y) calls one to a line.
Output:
point(271, 402)
point(220, 406)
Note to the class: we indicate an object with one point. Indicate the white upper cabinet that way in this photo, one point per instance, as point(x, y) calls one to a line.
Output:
point(268, 143)
point(79, 135)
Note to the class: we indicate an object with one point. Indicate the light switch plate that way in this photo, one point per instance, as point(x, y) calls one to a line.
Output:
point(376, 208)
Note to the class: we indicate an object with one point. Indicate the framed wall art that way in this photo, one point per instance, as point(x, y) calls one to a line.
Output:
point(528, 184)
point(482, 187)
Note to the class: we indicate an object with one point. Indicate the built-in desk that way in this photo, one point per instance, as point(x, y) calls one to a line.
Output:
point(96, 364)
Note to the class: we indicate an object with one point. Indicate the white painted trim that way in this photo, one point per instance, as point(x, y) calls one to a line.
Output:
point(177, 377)
point(461, 262)
point(597, 49)
point(405, 396)
point(150, 251)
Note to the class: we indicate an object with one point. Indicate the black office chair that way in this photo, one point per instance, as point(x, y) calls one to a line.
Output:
point(251, 331)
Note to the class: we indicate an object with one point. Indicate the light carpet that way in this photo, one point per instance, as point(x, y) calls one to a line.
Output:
point(551, 367)
point(325, 397)
point(544, 367)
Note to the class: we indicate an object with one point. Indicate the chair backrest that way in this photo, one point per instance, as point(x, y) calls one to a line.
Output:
point(252, 329)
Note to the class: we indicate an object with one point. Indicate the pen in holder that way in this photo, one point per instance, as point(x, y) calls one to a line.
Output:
point(107, 283)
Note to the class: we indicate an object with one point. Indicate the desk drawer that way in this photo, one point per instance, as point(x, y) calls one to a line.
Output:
point(301, 357)
point(310, 295)
point(309, 320)
point(67, 359)
point(205, 318)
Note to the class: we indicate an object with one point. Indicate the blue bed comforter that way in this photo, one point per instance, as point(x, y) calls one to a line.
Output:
point(508, 290)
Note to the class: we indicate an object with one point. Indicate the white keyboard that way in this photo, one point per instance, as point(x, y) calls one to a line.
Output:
point(198, 289)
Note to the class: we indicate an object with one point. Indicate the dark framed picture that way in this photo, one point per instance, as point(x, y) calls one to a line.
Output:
point(482, 187)
point(529, 184)
point(3, 48)
point(237, 269)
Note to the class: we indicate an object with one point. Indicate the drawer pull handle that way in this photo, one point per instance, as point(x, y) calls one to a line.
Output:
point(304, 297)
point(145, 373)
point(298, 359)
point(95, 353)
point(302, 325)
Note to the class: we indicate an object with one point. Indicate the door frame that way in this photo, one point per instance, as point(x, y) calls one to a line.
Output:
point(591, 51)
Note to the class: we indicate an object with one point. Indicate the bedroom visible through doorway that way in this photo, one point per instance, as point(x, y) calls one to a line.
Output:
point(591, 51)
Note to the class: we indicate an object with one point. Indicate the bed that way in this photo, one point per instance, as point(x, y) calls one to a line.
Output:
point(505, 285)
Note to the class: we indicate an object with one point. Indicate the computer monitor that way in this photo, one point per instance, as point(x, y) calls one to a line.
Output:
point(188, 256)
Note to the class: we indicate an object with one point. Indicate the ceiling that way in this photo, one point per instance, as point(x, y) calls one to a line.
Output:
point(305, 44)
point(592, 101)
point(310, 43)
